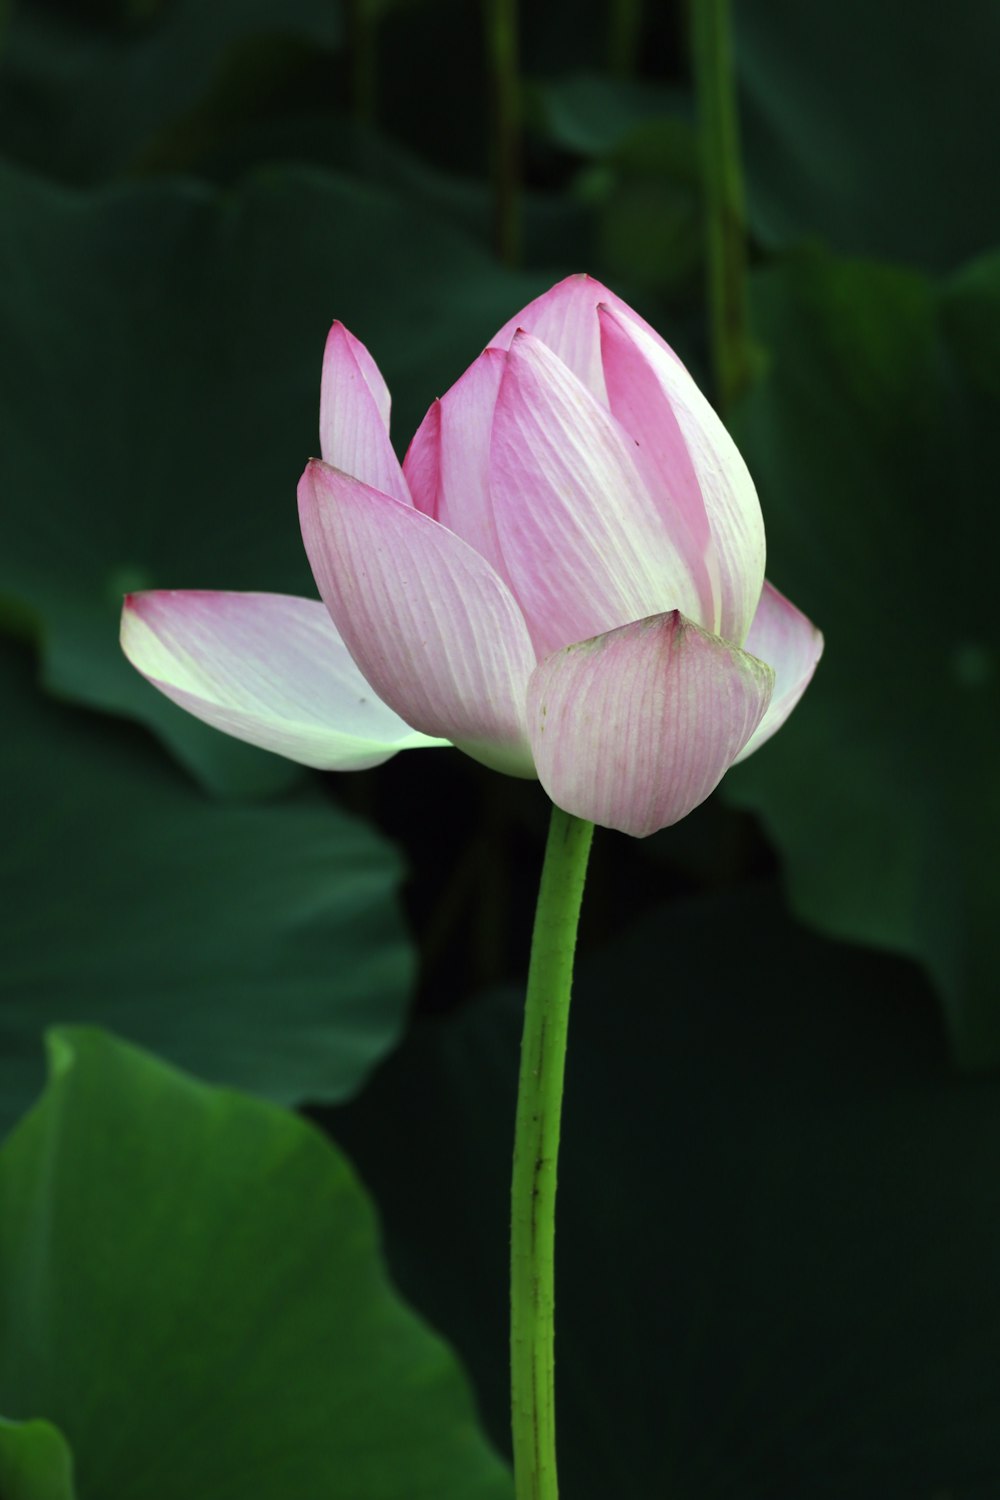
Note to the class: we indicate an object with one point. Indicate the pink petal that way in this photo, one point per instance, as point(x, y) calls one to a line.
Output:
point(635, 366)
point(636, 727)
point(432, 627)
point(782, 637)
point(565, 318)
point(372, 374)
point(584, 544)
point(265, 668)
point(638, 401)
point(422, 464)
point(447, 465)
point(354, 415)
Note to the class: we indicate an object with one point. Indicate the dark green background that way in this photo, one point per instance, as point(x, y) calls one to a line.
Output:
point(779, 1214)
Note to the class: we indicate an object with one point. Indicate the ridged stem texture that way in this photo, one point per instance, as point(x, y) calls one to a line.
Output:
point(536, 1150)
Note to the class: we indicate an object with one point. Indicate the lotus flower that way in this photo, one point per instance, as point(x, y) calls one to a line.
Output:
point(564, 579)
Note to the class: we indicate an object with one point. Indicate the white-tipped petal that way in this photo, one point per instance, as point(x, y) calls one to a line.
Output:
point(266, 668)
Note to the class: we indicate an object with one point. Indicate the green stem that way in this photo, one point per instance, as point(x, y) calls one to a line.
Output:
point(501, 44)
point(623, 37)
point(536, 1149)
point(732, 348)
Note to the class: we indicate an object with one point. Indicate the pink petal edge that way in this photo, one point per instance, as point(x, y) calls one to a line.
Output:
point(783, 637)
point(565, 319)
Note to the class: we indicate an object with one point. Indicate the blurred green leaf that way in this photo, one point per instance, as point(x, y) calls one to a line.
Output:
point(258, 946)
point(159, 387)
point(83, 101)
point(191, 1285)
point(778, 1215)
point(591, 114)
point(642, 181)
point(871, 438)
point(224, 149)
point(871, 127)
point(35, 1463)
point(650, 213)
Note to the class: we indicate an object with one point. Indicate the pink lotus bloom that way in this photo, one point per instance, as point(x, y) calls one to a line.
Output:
point(564, 578)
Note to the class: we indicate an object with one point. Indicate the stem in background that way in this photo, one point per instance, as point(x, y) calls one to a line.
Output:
point(361, 41)
point(715, 87)
point(623, 37)
point(536, 1148)
point(501, 47)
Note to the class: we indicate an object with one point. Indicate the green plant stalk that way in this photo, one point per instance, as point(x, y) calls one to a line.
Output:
point(623, 37)
point(501, 46)
point(725, 228)
point(536, 1149)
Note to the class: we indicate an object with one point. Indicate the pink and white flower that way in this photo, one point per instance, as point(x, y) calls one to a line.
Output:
point(564, 578)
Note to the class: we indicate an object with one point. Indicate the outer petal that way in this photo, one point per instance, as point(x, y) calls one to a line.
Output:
point(565, 318)
point(644, 380)
point(584, 545)
point(636, 727)
point(783, 637)
point(433, 628)
point(638, 400)
point(265, 668)
point(447, 465)
point(354, 415)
